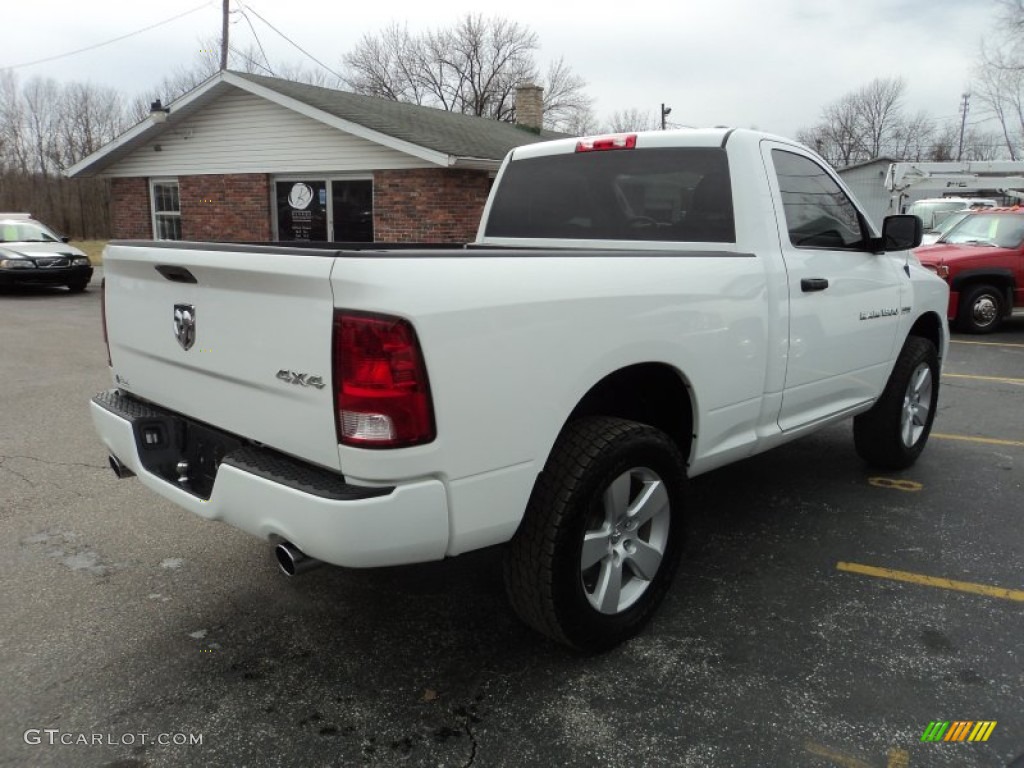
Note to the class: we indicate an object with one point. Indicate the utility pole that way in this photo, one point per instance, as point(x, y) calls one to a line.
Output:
point(665, 112)
point(224, 37)
point(963, 124)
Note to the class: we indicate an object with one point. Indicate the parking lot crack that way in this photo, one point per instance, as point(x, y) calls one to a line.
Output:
point(50, 462)
point(472, 741)
point(14, 472)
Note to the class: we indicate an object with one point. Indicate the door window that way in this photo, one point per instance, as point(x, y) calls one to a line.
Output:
point(301, 210)
point(818, 212)
point(352, 208)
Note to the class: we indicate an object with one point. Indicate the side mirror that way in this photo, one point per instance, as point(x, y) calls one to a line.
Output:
point(900, 233)
point(66, 239)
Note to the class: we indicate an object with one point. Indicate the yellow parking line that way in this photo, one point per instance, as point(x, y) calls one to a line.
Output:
point(898, 758)
point(988, 343)
point(1000, 379)
point(1016, 595)
point(837, 758)
point(986, 440)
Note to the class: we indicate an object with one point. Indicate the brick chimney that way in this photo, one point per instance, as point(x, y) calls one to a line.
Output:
point(530, 107)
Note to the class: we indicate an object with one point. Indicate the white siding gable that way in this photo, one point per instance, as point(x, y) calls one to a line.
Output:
point(243, 133)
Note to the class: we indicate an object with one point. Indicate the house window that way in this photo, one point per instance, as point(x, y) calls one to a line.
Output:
point(324, 209)
point(166, 209)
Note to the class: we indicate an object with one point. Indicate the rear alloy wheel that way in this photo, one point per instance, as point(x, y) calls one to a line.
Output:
point(981, 309)
point(602, 535)
point(624, 541)
point(894, 432)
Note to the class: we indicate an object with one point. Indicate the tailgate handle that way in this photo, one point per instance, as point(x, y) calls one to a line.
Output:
point(176, 274)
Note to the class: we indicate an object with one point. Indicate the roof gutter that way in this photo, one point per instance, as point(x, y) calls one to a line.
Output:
point(474, 163)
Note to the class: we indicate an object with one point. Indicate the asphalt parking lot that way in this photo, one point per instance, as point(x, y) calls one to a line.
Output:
point(825, 616)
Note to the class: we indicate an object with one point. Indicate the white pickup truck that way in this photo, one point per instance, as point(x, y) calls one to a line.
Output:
point(636, 310)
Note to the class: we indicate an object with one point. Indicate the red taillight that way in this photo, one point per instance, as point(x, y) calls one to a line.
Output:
point(103, 317)
point(601, 143)
point(381, 394)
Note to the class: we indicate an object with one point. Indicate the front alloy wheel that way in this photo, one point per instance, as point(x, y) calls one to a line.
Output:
point(917, 406)
point(893, 433)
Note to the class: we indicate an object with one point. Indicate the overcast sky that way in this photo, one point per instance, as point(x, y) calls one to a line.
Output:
point(770, 64)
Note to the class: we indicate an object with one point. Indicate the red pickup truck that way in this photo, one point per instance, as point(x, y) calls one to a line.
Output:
point(982, 259)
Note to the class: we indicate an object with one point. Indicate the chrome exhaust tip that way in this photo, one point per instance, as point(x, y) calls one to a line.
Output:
point(119, 469)
point(293, 560)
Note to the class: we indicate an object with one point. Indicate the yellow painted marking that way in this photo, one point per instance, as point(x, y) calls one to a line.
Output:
point(898, 758)
point(897, 485)
point(1000, 379)
point(844, 761)
point(988, 343)
point(986, 440)
point(933, 581)
point(982, 730)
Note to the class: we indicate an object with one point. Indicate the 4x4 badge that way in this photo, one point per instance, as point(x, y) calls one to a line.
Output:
point(185, 325)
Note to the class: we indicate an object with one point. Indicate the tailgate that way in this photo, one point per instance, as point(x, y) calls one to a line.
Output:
point(260, 320)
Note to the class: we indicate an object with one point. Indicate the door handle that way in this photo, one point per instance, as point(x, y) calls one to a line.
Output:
point(809, 284)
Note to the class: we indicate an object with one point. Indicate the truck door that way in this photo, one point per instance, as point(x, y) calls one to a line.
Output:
point(844, 299)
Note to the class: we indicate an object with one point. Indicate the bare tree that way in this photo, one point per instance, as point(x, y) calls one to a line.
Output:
point(473, 67)
point(878, 113)
point(913, 137)
point(999, 76)
point(631, 119)
point(567, 107)
point(13, 125)
point(45, 127)
point(869, 123)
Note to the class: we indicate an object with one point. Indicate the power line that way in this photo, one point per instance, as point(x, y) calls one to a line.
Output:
point(296, 45)
point(247, 21)
point(108, 42)
point(249, 60)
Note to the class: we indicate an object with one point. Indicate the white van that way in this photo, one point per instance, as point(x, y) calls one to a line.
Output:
point(933, 210)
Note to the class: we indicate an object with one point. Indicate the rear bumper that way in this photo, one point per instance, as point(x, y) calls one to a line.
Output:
point(276, 497)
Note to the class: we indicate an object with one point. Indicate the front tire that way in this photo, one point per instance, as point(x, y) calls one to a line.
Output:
point(602, 534)
point(78, 286)
point(894, 432)
point(981, 309)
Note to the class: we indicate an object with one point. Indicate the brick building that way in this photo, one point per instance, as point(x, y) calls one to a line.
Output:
point(249, 158)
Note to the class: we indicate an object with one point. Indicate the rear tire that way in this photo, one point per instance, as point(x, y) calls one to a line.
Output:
point(602, 534)
point(894, 432)
point(981, 309)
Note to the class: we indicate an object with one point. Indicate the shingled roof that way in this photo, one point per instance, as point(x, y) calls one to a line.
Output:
point(450, 133)
point(445, 138)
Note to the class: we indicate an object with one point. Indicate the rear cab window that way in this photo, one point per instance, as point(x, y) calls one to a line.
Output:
point(655, 194)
